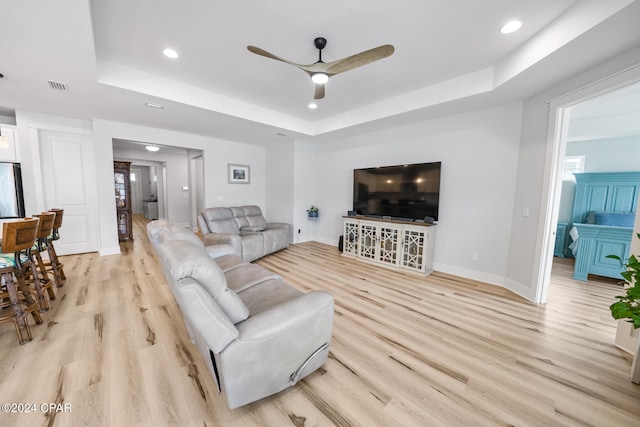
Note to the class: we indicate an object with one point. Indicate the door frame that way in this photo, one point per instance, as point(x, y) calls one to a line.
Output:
point(559, 115)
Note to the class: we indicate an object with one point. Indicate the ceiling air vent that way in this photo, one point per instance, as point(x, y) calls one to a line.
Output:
point(58, 86)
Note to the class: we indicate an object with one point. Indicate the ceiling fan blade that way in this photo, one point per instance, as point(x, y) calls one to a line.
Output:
point(319, 94)
point(266, 54)
point(359, 59)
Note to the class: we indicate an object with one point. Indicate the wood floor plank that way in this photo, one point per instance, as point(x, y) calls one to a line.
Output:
point(407, 350)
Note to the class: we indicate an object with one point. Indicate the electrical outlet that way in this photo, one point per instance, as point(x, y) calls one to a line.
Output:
point(474, 256)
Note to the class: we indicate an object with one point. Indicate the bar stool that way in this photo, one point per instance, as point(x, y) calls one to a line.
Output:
point(17, 241)
point(54, 265)
point(44, 231)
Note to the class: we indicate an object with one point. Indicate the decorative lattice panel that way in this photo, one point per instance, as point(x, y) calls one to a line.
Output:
point(368, 237)
point(350, 238)
point(413, 243)
point(388, 251)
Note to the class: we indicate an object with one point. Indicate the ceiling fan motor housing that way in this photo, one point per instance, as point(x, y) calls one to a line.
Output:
point(320, 42)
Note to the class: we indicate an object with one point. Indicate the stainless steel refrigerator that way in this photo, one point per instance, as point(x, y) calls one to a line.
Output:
point(11, 196)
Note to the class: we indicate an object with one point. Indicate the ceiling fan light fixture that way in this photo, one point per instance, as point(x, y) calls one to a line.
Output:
point(511, 26)
point(152, 148)
point(319, 78)
point(312, 106)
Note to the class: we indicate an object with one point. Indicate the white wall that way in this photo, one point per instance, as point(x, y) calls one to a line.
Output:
point(308, 179)
point(291, 187)
point(607, 155)
point(279, 177)
point(479, 153)
point(601, 155)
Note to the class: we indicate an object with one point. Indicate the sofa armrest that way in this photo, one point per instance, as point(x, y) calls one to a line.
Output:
point(277, 347)
point(272, 225)
point(224, 239)
point(204, 317)
point(203, 228)
point(220, 250)
point(286, 316)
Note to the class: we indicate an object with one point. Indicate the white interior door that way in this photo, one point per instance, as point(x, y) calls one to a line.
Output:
point(197, 189)
point(69, 180)
point(136, 190)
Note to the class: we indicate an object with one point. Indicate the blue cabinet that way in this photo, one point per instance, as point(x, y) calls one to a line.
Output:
point(602, 193)
point(595, 243)
point(605, 192)
point(562, 240)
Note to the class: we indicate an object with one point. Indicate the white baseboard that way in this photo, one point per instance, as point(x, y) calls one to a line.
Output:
point(524, 291)
point(491, 279)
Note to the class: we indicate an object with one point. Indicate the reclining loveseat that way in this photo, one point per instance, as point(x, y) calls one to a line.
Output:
point(257, 334)
point(245, 229)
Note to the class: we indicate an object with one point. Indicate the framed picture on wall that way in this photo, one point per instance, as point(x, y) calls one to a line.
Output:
point(238, 174)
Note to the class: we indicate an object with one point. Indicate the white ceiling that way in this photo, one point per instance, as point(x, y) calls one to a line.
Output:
point(448, 56)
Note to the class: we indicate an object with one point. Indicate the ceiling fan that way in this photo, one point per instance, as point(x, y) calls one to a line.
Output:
point(321, 71)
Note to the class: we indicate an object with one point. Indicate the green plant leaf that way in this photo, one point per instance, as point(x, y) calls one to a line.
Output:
point(634, 293)
point(628, 305)
point(619, 310)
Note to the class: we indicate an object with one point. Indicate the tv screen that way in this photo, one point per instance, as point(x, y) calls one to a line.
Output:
point(403, 191)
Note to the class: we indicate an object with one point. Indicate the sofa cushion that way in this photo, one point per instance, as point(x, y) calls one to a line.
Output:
point(249, 216)
point(221, 220)
point(246, 276)
point(187, 260)
point(268, 294)
point(229, 262)
point(251, 229)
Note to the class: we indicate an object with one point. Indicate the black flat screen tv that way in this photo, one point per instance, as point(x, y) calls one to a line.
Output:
point(409, 192)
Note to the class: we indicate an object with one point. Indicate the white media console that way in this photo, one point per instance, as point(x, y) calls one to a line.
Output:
point(401, 245)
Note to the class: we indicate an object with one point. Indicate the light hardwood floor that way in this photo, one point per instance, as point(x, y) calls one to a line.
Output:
point(406, 351)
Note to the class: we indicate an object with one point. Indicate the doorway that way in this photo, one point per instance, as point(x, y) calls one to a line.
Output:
point(167, 178)
point(559, 126)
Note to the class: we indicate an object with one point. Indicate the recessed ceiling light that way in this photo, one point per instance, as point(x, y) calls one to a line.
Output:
point(170, 53)
point(511, 26)
point(158, 106)
point(152, 148)
point(313, 106)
